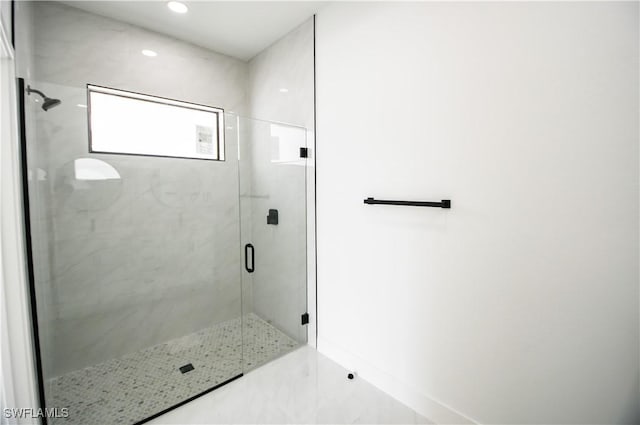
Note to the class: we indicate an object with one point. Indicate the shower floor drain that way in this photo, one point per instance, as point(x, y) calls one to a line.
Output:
point(186, 368)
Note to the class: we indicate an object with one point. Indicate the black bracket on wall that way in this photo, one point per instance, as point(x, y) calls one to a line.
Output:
point(304, 152)
point(272, 218)
point(445, 203)
point(304, 319)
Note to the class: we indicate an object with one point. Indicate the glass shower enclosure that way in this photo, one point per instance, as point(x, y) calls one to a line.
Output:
point(158, 277)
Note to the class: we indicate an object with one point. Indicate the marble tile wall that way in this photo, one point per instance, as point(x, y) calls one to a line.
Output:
point(74, 47)
point(5, 16)
point(130, 262)
point(281, 82)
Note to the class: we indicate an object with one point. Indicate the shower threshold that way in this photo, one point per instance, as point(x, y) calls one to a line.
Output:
point(141, 385)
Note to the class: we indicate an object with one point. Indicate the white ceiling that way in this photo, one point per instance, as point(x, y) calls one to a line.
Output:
point(236, 28)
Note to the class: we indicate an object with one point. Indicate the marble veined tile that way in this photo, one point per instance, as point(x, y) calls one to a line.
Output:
point(133, 387)
point(303, 387)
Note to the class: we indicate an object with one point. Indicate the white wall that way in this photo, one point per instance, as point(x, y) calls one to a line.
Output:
point(520, 304)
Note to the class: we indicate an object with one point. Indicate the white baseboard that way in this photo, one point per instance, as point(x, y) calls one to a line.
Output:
point(428, 407)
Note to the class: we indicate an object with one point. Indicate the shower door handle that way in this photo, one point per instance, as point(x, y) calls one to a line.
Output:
point(246, 258)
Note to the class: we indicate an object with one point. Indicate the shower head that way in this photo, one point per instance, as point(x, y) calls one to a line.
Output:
point(48, 102)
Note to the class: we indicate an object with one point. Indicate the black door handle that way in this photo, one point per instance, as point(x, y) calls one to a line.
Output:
point(246, 258)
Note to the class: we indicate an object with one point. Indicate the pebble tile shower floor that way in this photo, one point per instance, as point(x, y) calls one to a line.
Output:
point(133, 387)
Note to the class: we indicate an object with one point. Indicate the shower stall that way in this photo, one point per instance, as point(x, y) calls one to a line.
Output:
point(167, 230)
point(158, 278)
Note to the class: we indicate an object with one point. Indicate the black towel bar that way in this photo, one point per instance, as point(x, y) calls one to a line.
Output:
point(445, 203)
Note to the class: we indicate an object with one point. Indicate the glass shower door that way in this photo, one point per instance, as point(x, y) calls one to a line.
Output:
point(273, 237)
point(136, 268)
point(159, 278)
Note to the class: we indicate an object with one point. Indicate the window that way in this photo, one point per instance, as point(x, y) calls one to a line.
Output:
point(123, 122)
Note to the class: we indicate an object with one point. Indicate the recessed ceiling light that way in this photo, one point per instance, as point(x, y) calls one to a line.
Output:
point(80, 105)
point(283, 90)
point(149, 53)
point(177, 7)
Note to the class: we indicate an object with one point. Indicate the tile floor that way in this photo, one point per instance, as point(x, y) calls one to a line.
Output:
point(302, 387)
point(138, 385)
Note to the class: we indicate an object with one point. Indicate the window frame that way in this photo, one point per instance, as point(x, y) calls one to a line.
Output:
point(218, 111)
